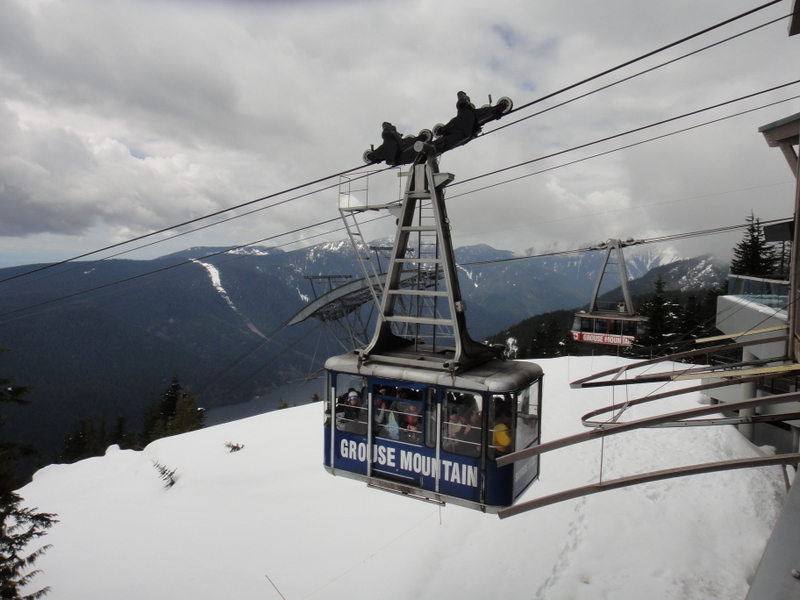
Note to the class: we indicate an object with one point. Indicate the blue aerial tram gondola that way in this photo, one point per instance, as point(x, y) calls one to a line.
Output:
point(424, 410)
point(435, 435)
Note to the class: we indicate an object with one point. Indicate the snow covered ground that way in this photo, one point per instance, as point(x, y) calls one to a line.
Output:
point(269, 522)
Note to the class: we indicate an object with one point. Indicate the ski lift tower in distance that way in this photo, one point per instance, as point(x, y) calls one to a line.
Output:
point(614, 323)
point(424, 410)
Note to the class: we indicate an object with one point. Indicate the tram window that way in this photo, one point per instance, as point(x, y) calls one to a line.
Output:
point(599, 326)
point(587, 324)
point(409, 414)
point(384, 390)
point(386, 420)
point(629, 328)
point(461, 426)
point(408, 393)
point(351, 412)
point(527, 416)
point(501, 432)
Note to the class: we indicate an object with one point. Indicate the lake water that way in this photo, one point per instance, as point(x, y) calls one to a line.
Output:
point(293, 394)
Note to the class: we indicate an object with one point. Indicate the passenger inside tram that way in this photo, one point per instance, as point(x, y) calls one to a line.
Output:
point(502, 432)
point(472, 433)
point(411, 423)
point(386, 424)
point(350, 414)
point(454, 432)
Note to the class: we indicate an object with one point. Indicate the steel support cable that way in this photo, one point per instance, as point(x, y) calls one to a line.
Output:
point(192, 221)
point(642, 128)
point(647, 55)
point(538, 100)
point(606, 152)
point(656, 240)
point(453, 196)
point(572, 86)
point(153, 272)
point(476, 263)
point(249, 352)
point(635, 75)
point(188, 262)
point(291, 346)
point(207, 226)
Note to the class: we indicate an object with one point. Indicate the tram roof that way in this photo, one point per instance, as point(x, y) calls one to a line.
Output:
point(493, 376)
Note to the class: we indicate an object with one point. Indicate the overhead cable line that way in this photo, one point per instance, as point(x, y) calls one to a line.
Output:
point(648, 54)
point(156, 271)
point(635, 75)
point(606, 152)
point(655, 240)
point(227, 250)
point(196, 229)
point(190, 222)
point(638, 129)
point(190, 261)
point(276, 194)
point(266, 339)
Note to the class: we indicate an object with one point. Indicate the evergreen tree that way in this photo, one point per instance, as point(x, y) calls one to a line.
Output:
point(175, 412)
point(783, 258)
point(691, 319)
point(19, 526)
point(547, 341)
point(753, 255)
point(92, 439)
point(662, 317)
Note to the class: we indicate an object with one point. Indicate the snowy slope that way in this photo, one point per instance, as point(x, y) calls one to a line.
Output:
point(237, 522)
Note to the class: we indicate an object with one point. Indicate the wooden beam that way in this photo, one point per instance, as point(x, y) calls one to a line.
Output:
point(779, 370)
point(717, 338)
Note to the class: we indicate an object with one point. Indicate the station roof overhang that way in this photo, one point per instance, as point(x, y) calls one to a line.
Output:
point(794, 24)
point(784, 134)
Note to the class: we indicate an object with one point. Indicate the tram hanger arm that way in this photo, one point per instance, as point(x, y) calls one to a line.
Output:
point(585, 382)
point(613, 484)
point(614, 428)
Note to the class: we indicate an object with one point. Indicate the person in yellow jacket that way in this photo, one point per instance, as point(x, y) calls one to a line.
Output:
point(501, 434)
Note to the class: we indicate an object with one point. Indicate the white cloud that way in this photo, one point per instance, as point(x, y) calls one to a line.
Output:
point(135, 115)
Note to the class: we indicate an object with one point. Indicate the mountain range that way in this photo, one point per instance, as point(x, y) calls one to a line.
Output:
point(103, 339)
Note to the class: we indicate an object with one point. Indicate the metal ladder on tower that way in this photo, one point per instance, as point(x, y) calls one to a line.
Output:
point(421, 321)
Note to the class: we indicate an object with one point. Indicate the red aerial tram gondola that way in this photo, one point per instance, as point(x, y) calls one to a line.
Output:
point(610, 322)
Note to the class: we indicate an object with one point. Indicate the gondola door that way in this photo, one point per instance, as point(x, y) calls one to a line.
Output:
point(462, 436)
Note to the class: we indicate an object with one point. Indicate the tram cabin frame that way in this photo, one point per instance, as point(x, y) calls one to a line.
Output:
point(431, 434)
point(607, 329)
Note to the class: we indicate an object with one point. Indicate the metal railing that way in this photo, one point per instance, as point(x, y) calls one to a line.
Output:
point(773, 293)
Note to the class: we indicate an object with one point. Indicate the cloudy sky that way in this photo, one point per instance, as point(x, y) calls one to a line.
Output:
point(123, 117)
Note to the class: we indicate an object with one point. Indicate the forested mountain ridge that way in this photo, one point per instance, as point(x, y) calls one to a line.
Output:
point(102, 339)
